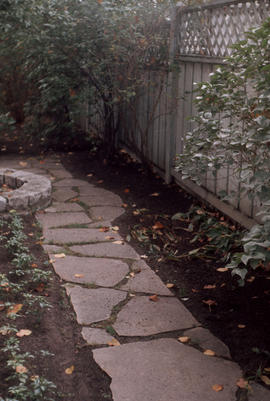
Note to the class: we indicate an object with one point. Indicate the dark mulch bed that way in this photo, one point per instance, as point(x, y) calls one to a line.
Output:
point(245, 306)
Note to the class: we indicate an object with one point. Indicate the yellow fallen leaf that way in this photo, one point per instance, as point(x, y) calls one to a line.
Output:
point(118, 242)
point(104, 229)
point(70, 370)
point(217, 387)
point(90, 175)
point(209, 287)
point(222, 269)
point(157, 226)
point(78, 275)
point(153, 298)
point(14, 309)
point(265, 379)
point(114, 343)
point(23, 164)
point(59, 255)
point(184, 339)
point(115, 228)
point(154, 194)
point(241, 326)
point(267, 370)
point(21, 369)
point(23, 332)
point(4, 332)
point(209, 352)
point(169, 285)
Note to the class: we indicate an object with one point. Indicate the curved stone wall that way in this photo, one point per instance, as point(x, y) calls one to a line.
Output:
point(28, 190)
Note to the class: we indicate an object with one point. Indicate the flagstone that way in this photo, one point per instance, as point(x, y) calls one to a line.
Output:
point(93, 305)
point(64, 194)
point(108, 249)
point(95, 336)
point(98, 271)
point(48, 220)
point(143, 317)
point(78, 235)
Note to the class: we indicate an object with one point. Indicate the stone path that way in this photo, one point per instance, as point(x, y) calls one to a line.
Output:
point(134, 337)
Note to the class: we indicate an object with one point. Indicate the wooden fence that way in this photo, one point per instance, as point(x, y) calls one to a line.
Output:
point(156, 123)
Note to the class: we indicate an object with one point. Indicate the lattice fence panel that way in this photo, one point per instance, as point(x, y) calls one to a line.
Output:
point(211, 30)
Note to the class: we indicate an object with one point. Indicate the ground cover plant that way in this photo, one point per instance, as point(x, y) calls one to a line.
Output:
point(42, 353)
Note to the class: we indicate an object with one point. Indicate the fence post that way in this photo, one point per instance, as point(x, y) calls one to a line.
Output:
point(173, 91)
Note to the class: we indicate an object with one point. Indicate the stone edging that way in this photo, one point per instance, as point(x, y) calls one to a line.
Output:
point(30, 190)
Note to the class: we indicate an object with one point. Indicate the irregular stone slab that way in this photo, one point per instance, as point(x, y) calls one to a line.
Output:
point(51, 249)
point(143, 317)
point(109, 199)
point(95, 336)
point(49, 220)
point(78, 235)
point(106, 212)
point(145, 280)
point(102, 272)
point(71, 182)
point(93, 305)
point(258, 393)
point(110, 250)
point(62, 195)
point(206, 340)
point(3, 204)
point(64, 207)
point(165, 370)
point(61, 173)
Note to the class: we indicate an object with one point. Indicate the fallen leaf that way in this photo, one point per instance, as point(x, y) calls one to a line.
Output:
point(267, 370)
point(118, 242)
point(78, 275)
point(209, 352)
point(74, 200)
point(125, 205)
point(241, 326)
point(265, 379)
point(21, 369)
point(222, 269)
point(23, 332)
point(143, 256)
point(70, 370)
point(34, 265)
point(210, 302)
point(209, 287)
point(100, 181)
point(184, 339)
point(153, 298)
point(222, 285)
point(90, 175)
point(114, 343)
point(40, 287)
point(30, 234)
point(242, 383)
point(115, 228)
point(4, 332)
point(14, 309)
point(104, 229)
point(127, 190)
point(109, 238)
point(194, 290)
point(154, 194)
point(23, 164)
point(251, 279)
point(59, 255)
point(217, 387)
point(2, 307)
point(157, 226)
point(169, 285)
point(132, 274)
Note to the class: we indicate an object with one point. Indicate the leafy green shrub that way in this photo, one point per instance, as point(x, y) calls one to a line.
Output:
point(232, 130)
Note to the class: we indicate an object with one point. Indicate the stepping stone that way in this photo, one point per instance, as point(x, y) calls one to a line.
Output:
point(110, 250)
point(106, 212)
point(109, 199)
point(93, 305)
point(64, 207)
point(258, 393)
point(165, 370)
point(78, 235)
point(62, 195)
point(52, 249)
point(61, 173)
point(48, 220)
point(206, 340)
point(95, 336)
point(145, 280)
point(102, 272)
point(71, 182)
point(143, 317)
